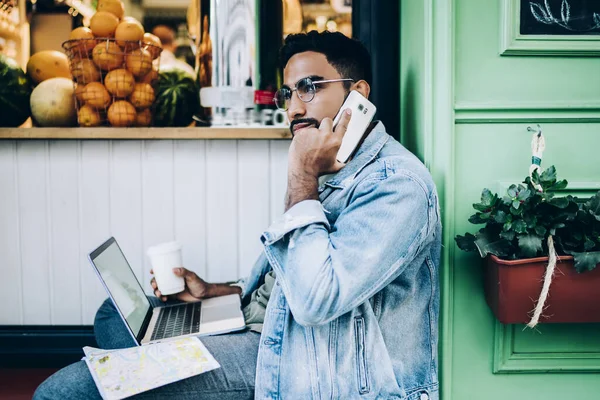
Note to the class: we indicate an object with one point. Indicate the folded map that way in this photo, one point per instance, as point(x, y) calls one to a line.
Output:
point(125, 372)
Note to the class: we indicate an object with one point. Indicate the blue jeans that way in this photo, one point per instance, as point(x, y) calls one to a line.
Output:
point(236, 352)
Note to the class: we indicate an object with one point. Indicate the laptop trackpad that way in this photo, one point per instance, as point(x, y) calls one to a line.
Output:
point(218, 313)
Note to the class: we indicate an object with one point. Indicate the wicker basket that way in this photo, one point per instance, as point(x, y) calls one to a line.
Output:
point(114, 81)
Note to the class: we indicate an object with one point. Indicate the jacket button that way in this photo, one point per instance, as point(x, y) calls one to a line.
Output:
point(424, 396)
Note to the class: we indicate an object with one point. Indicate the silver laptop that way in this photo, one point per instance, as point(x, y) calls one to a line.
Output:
point(147, 323)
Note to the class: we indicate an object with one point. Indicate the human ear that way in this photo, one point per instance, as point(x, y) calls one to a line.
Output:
point(362, 87)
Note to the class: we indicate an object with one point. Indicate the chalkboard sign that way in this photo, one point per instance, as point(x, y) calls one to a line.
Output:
point(560, 17)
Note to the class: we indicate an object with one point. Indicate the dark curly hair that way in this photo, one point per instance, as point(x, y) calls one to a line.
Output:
point(349, 57)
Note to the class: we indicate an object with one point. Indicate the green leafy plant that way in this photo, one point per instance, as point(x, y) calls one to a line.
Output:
point(517, 225)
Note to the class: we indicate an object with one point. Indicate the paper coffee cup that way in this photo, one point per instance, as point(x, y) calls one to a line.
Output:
point(164, 257)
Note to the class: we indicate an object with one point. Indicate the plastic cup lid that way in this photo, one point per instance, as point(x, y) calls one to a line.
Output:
point(164, 248)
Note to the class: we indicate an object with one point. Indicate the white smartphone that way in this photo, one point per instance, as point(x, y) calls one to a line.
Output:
point(363, 112)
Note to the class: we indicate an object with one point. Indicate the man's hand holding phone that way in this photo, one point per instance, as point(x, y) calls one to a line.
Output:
point(312, 154)
point(313, 150)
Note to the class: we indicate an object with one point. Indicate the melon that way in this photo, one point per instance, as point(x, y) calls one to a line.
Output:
point(48, 64)
point(15, 89)
point(53, 103)
point(177, 99)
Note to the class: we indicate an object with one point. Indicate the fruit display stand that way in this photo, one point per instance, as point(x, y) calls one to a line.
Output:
point(14, 30)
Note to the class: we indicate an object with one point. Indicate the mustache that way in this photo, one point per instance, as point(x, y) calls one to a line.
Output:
point(310, 121)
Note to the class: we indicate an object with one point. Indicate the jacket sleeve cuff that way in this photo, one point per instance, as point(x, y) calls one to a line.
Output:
point(305, 213)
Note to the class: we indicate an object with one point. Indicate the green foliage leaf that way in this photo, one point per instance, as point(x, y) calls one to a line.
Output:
point(512, 191)
point(501, 217)
point(530, 245)
point(488, 200)
point(548, 176)
point(560, 185)
point(479, 218)
point(519, 226)
point(487, 244)
point(586, 261)
point(589, 244)
point(509, 235)
point(593, 206)
point(466, 242)
point(523, 194)
point(530, 220)
point(560, 202)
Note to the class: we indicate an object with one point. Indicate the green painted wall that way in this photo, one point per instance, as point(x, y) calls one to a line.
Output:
point(465, 111)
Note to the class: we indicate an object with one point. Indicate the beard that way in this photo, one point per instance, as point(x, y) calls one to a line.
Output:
point(309, 121)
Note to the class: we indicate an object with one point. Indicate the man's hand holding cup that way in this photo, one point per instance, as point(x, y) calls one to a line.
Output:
point(170, 278)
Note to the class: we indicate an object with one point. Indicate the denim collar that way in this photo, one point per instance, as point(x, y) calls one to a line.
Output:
point(369, 149)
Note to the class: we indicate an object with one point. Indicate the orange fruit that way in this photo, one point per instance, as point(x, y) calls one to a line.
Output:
point(85, 40)
point(87, 116)
point(129, 30)
point(85, 71)
point(95, 95)
point(122, 113)
point(144, 118)
point(79, 93)
point(139, 62)
point(107, 55)
point(128, 18)
point(142, 96)
point(150, 77)
point(119, 82)
point(115, 7)
point(103, 24)
point(152, 41)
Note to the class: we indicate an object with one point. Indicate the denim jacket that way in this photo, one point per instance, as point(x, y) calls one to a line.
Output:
point(354, 311)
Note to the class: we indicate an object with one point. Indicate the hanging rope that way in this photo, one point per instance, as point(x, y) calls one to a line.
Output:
point(537, 312)
point(538, 145)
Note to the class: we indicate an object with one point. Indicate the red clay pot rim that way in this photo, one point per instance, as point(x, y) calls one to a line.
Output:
point(527, 260)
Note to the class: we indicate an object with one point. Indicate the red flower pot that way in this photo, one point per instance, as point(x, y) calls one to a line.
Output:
point(513, 287)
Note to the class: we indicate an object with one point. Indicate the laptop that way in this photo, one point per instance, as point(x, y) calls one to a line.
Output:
point(148, 324)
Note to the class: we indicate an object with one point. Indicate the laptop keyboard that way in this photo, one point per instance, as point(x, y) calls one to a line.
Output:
point(177, 321)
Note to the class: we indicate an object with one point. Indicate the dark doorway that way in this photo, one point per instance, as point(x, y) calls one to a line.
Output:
point(377, 25)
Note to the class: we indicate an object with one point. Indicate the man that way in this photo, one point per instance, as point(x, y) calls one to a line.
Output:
point(166, 34)
point(346, 292)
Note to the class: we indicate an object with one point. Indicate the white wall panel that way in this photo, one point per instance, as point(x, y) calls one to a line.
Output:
point(61, 199)
point(94, 215)
point(64, 263)
point(222, 218)
point(190, 203)
point(10, 255)
point(34, 217)
point(157, 198)
point(254, 200)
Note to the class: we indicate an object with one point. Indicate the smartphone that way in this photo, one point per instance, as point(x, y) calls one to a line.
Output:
point(363, 112)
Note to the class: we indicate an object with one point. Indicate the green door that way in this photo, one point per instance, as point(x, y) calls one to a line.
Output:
point(465, 109)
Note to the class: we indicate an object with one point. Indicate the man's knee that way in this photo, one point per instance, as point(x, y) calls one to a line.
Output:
point(109, 328)
point(73, 382)
point(106, 311)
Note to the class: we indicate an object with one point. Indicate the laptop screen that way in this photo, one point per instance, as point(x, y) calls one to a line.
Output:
point(120, 281)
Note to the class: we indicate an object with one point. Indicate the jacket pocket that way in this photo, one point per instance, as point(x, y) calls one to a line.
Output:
point(361, 355)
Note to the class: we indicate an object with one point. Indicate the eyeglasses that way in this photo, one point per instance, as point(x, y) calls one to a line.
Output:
point(306, 91)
